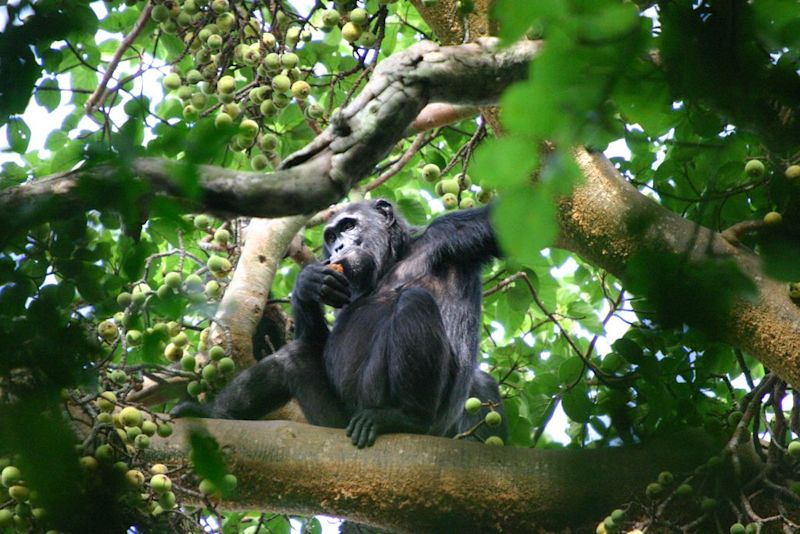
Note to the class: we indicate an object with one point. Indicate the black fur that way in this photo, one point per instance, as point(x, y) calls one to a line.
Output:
point(401, 356)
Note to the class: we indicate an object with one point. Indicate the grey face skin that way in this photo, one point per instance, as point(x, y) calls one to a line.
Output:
point(366, 240)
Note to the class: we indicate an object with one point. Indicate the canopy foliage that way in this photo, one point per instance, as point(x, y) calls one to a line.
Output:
point(123, 282)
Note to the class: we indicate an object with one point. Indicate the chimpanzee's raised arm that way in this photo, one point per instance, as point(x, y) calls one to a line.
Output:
point(464, 236)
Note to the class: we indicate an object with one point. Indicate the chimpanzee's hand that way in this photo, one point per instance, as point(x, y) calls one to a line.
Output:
point(320, 283)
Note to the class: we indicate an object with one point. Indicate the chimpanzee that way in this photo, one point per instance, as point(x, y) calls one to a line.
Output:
point(401, 356)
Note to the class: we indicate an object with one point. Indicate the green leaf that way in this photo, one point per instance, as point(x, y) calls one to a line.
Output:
point(505, 162)
point(133, 256)
point(648, 106)
point(12, 174)
point(570, 370)
point(56, 140)
point(629, 350)
point(47, 457)
point(530, 207)
point(389, 39)
point(519, 428)
point(17, 76)
point(206, 456)
point(576, 404)
point(82, 79)
point(18, 135)
point(412, 210)
point(172, 46)
point(584, 312)
point(546, 383)
point(780, 257)
point(519, 296)
point(67, 157)
point(279, 525)
point(48, 94)
point(539, 409)
point(517, 17)
point(120, 21)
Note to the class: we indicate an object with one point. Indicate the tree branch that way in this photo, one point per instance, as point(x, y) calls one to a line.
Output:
point(438, 115)
point(311, 179)
point(242, 306)
point(99, 95)
point(597, 223)
point(428, 484)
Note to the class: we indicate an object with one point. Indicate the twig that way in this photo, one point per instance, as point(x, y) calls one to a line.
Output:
point(439, 114)
point(551, 316)
point(745, 370)
point(466, 149)
point(309, 121)
point(398, 166)
point(97, 98)
point(734, 234)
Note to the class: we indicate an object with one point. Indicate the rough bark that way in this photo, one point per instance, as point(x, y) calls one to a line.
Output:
point(452, 29)
point(425, 484)
point(598, 223)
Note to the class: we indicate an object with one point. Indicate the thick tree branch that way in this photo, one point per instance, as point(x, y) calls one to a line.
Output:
point(426, 484)
point(285, 192)
point(242, 306)
point(266, 241)
point(312, 178)
point(599, 223)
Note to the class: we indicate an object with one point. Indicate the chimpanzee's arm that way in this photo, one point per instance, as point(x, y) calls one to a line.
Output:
point(464, 236)
point(316, 284)
point(294, 371)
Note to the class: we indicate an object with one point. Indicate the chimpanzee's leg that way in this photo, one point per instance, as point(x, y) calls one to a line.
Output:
point(412, 358)
point(484, 387)
point(295, 370)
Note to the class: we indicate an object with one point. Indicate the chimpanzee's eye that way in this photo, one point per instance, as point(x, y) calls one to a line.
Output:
point(329, 236)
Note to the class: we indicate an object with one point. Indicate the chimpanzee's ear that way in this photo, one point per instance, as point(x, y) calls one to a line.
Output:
point(385, 208)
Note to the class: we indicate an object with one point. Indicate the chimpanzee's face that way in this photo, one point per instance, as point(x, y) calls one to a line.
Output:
point(358, 239)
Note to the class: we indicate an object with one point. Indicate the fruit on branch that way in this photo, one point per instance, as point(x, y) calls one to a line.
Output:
point(450, 186)
point(754, 168)
point(431, 172)
point(450, 201)
point(494, 440)
point(301, 89)
point(473, 405)
point(171, 81)
point(466, 203)
point(351, 32)
point(773, 218)
point(493, 418)
point(359, 16)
